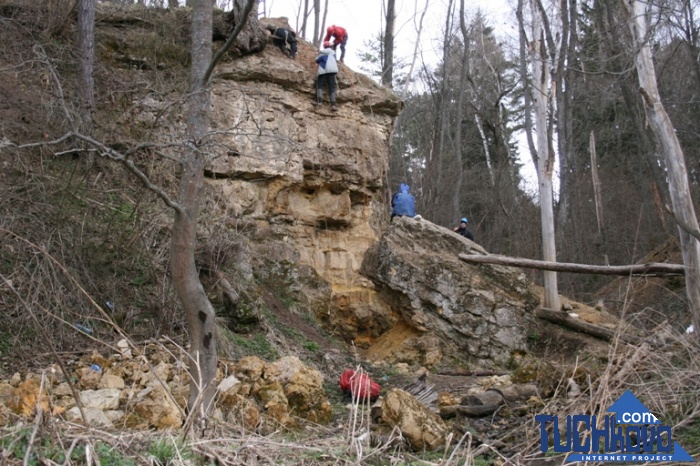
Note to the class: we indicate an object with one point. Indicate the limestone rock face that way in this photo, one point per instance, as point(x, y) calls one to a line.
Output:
point(310, 182)
point(479, 313)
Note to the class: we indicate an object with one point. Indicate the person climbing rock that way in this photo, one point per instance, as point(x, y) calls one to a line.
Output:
point(283, 37)
point(340, 37)
point(327, 71)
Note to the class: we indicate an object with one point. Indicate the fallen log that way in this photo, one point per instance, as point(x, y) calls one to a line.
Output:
point(447, 412)
point(651, 268)
point(565, 320)
point(487, 402)
point(474, 373)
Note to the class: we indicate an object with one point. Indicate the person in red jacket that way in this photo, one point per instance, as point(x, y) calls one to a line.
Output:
point(340, 36)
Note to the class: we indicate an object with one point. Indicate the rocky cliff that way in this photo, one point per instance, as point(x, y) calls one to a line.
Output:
point(448, 310)
point(314, 184)
point(310, 186)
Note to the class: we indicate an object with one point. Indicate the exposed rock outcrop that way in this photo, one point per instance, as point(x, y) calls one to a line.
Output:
point(311, 183)
point(445, 307)
point(311, 188)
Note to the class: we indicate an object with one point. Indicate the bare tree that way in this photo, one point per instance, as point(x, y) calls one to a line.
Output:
point(86, 51)
point(323, 22)
point(317, 19)
point(198, 309)
point(388, 62)
point(681, 201)
point(419, 30)
point(538, 88)
point(564, 81)
point(459, 115)
point(438, 158)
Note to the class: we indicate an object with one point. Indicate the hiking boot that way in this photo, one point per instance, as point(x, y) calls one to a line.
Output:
point(316, 104)
point(334, 108)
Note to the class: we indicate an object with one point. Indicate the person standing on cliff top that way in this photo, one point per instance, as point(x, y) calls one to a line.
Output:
point(340, 36)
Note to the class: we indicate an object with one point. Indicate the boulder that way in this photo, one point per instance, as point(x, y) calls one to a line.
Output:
point(423, 429)
point(106, 398)
point(94, 416)
point(25, 396)
point(303, 388)
point(477, 313)
point(157, 407)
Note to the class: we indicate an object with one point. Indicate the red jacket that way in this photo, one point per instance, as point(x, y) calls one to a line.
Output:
point(337, 32)
point(359, 385)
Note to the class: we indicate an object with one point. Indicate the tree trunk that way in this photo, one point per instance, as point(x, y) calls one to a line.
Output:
point(305, 18)
point(388, 63)
point(662, 128)
point(597, 196)
point(564, 82)
point(457, 159)
point(539, 87)
point(414, 57)
point(318, 34)
point(323, 23)
point(198, 310)
point(437, 165)
point(565, 320)
point(86, 50)
point(172, 4)
point(485, 143)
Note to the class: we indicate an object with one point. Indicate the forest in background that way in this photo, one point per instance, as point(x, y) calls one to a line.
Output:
point(456, 142)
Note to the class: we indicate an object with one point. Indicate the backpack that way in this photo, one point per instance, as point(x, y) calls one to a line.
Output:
point(359, 385)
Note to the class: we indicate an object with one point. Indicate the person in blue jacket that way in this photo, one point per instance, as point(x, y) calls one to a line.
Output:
point(327, 69)
point(403, 203)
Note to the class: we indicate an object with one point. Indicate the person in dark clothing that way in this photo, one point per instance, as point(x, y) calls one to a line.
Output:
point(462, 229)
point(403, 203)
point(282, 37)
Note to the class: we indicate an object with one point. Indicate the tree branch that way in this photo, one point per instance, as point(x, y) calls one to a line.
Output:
point(43, 58)
point(229, 42)
point(687, 228)
point(114, 155)
point(651, 268)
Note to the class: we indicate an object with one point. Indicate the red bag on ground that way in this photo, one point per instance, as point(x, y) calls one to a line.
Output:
point(359, 385)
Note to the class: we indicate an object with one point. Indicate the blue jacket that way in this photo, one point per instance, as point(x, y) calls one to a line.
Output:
point(403, 203)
